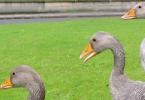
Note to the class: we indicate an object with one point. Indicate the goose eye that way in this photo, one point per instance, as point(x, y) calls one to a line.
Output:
point(94, 40)
point(14, 73)
point(139, 7)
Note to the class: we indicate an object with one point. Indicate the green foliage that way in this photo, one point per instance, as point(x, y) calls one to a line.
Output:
point(53, 50)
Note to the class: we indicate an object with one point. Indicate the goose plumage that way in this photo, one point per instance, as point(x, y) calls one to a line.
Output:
point(24, 76)
point(142, 54)
point(121, 87)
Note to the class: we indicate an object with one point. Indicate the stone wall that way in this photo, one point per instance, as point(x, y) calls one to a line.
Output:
point(10, 8)
point(42, 1)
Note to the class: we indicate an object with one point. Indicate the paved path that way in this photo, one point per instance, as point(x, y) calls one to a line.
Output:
point(21, 21)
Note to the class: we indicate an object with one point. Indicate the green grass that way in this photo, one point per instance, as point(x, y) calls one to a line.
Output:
point(53, 50)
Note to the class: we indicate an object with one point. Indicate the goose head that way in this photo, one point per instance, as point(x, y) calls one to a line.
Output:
point(138, 11)
point(24, 76)
point(98, 43)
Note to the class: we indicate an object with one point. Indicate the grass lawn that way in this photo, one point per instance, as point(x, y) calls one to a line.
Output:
point(53, 50)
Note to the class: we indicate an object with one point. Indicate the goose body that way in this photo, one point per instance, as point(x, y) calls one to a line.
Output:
point(138, 11)
point(24, 76)
point(121, 87)
point(142, 54)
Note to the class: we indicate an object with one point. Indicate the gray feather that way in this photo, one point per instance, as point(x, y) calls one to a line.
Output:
point(142, 54)
point(121, 87)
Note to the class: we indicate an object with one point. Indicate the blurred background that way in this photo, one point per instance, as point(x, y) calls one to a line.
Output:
point(63, 8)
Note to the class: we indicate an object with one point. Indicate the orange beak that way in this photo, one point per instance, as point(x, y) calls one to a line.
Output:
point(89, 50)
point(7, 84)
point(130, 14)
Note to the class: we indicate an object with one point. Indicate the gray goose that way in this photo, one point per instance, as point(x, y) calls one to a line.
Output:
point(24, 76)
point(142, 54)
point(121, 87)
point(138, 11)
